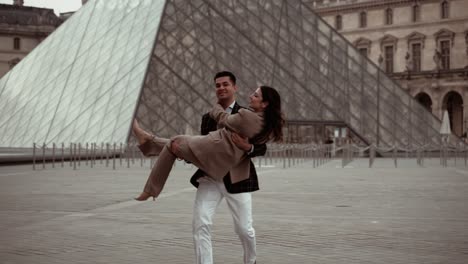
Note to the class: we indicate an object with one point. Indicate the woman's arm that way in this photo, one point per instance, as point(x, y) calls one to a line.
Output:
point(244, 122)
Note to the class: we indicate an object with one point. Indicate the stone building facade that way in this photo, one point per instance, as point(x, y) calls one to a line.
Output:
point(22, 28)
point(422, 44)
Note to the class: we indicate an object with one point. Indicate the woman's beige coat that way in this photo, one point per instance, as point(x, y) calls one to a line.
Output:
point(216, 154)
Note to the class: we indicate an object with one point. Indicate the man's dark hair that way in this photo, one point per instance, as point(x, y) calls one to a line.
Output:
point(226, 74)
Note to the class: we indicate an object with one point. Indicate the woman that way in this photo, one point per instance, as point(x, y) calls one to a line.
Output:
point(215, 153)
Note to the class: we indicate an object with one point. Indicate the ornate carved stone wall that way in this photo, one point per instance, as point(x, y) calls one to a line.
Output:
point(22, 28)
point(441, 44)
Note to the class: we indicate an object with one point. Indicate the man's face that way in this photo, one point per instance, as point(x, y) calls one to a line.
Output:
point(225, 89)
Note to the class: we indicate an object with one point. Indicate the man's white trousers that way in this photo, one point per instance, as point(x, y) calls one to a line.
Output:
point(209, 194)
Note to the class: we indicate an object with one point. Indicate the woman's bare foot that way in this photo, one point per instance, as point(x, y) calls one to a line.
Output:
point(141, 135)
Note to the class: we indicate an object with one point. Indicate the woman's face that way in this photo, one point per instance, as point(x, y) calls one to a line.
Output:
point(256, 101)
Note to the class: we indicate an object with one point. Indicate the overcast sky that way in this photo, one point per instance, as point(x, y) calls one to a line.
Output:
point(59, 6)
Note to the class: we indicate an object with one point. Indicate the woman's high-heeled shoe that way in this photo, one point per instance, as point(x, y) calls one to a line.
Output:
point(144, 196)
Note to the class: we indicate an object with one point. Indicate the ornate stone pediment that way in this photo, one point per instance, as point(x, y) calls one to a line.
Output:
point(362, 42)
point(416, 37)
point(388, 40)
point(444, 34)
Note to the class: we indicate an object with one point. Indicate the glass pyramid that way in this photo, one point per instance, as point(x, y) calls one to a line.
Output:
point(156, 59)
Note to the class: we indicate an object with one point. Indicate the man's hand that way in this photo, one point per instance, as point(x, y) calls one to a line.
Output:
point(241, 142)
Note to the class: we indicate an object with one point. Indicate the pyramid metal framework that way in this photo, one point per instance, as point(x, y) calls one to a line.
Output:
point(156, 59)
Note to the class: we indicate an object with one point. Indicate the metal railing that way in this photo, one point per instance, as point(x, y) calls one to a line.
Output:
point(119, 155)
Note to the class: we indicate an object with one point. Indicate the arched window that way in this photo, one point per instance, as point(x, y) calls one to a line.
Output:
point(444, 10)
point(453, 103)
point(338, 22)
point(388, 16)
point(363, 19)
point(416, 14)
point(425, 100)
point(17, 43)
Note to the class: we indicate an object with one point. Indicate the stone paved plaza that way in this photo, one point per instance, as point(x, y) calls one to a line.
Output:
point(302, 214)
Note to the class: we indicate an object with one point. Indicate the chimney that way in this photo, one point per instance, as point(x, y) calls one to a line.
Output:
point(18, 2)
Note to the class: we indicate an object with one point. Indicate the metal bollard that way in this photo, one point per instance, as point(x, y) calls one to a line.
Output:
point(43, 155)
point(107, 154)
point(74, 156)
point(87, 154)
point(121, 153)
point(63, 154)
point(113, 159)
point(102, 153)
point(284, 158)
point(141, 159)
point(53, 155)
point(79, 155)
point(91, 160)
point(71, 155)
point(128, 156)
point(34, 156)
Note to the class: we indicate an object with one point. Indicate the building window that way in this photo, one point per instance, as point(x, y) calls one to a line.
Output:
point(363, 45)
point(363, 51)
point(363, 19)
point(416, 13)
point(17, 43)
point(388, 57)
point(416, 57)
point(445, 54)
point(444, 10)
point(388, 16)
point(338, 22)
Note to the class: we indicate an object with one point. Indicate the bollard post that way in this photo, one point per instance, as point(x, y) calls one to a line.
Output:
point(34, 156)
point(87, 154)
point(71, 155)
point(113, 159)
point(95, 153)
point(79, 155)
point(121, 153)
point(53, 155)
point(63, 154)
point(74, 156)
point(91, 160)
point(133, 156)
point(107, 154)
point(43, 155)
point(128, 156)
point(102, 153)
point(141, 159)
point(284, 158)
point(395, 156)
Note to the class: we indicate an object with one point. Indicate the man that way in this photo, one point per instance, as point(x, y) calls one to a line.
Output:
point(210, 192)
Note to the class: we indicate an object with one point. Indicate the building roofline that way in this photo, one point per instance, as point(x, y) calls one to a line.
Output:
point(359, 6)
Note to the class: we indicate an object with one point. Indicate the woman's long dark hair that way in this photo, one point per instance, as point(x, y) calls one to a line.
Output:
point(272, 117)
